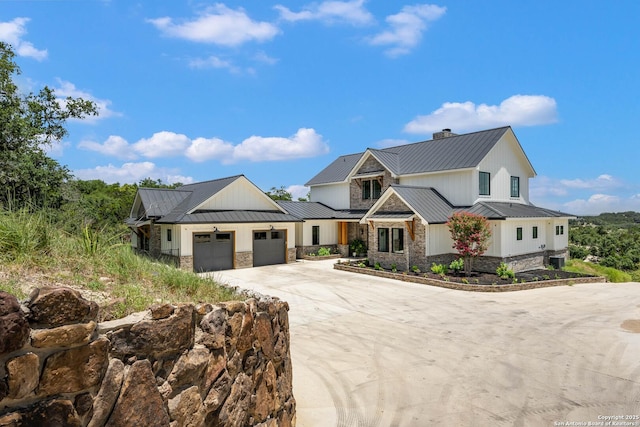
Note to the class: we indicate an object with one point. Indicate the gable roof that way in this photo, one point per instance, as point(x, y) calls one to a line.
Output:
point(158, 202)
point(433, 208)
point(451, 153)
point(316, 210)
point(426, 202)
point(181, 205)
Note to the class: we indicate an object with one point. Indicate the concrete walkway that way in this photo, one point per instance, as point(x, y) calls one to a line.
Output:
point(375, 352)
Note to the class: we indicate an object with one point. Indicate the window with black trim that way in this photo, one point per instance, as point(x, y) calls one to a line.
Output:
point(371, 189)
point(315, 235)
point(559, 230)
point(515, 186)
point(168, 235)
point(485, 184)
point(519, 233)
point(397, 240)
point(535, 232)
point(383, 240)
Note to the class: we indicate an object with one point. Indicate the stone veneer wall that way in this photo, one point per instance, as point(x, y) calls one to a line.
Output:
point(355, 191)
point(207, 365)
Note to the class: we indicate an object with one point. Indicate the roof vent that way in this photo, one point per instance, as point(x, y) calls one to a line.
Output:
point(446, 133)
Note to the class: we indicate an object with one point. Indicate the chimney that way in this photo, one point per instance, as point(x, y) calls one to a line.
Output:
point(446, 133)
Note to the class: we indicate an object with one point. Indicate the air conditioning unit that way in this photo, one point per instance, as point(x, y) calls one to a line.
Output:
point(557, 262)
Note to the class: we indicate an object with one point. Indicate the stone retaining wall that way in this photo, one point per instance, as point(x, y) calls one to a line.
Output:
point(468, 287)
point(205, 365)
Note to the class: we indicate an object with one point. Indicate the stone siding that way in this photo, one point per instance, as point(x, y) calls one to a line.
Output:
point(371, 165)
point(155, 242)
point(302, 251)
point(223, 365)
point(244, 259)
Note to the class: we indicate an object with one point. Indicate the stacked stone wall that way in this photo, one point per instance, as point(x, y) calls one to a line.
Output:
point(205, 365)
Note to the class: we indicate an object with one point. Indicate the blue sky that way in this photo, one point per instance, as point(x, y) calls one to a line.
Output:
point(190, 91)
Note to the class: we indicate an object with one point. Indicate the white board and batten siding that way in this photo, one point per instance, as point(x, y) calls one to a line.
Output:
point(503, 161)
point(334, 195)
point(243, 234)
point(170, 247)
point(239, 195)
point(453, 185)
point(328, 232)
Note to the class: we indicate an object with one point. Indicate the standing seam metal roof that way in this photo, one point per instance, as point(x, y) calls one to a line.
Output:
point(451, 153)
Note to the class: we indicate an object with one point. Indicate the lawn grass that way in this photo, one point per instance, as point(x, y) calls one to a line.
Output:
point(612, 274)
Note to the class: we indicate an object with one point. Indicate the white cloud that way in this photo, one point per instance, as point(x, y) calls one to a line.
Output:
point(66, 89)
point(131, 173)
point(602, 182)
point(218, 25)
point(585, 196)
point(202, 149)
point(305, 143)
point(213, 62)
point(599, 203)
point(263, 57)
point(162, 144)
point(114, 146)
point(406, 28)
point(12, 32)
point(298, 191)
point(328, 12)
point(518, 110)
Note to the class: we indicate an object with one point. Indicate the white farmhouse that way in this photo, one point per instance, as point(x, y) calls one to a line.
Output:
point(398, 200)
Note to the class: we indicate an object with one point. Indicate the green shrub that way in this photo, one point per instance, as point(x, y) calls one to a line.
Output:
point(324, 252)
point(24, 234)
point(415, 269)
point(440, 269)
point(377, 266)
point(505, 272)
point(394, 267)
point(457, 265)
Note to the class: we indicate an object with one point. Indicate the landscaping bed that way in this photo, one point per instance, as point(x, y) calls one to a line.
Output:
point(479, 282)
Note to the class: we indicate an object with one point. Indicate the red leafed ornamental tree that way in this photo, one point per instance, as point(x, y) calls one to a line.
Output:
point(470, 234)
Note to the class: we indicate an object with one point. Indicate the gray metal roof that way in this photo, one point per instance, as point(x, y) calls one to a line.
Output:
point(316, 210)
point(158, 202)
point(455, 152)
point(199, 217)
point(435, 209)
point(174, 206)
point(504, 210)
point(426, 202)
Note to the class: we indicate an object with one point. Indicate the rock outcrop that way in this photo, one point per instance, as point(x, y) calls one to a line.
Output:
point(222, 365)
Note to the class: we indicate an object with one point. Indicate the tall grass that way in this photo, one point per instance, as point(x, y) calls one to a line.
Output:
point(97, 260)
point(24, 234)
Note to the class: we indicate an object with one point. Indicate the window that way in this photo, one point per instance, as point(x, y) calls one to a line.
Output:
point(397, 240)
point(260, 235)
point(276, 235)
point(315, 235)
point(535, 232)
point(202, 238)
point(515, 186)
point(223, 236)
point(377, 188)
point(168, 235)
point(485, 183)
point(366, 190)
point(371, 189)
point(559, 230)
point(519, 233)
point(383, 240)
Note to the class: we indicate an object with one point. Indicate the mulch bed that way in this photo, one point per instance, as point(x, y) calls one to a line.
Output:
point(481, 282)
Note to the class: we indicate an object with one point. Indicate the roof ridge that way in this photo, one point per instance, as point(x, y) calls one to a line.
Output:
point(448, 138)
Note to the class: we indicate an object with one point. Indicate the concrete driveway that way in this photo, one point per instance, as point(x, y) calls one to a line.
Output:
point(375, 352)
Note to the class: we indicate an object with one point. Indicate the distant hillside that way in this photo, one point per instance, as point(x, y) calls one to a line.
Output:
point(618, 219)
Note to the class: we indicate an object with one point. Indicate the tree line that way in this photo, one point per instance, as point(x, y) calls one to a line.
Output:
point(611, 239)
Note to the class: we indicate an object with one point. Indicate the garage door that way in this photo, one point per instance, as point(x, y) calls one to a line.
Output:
point(212, 251)
point(269, 247)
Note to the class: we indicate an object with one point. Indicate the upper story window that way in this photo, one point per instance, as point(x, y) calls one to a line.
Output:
point(515, 186)
point(485, 184)
point(371, 189)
